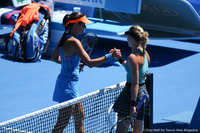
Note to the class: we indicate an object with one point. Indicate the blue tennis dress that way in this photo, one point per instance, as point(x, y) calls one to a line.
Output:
point(66, 87)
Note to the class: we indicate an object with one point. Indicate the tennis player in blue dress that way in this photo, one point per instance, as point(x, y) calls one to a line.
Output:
point(68, 53)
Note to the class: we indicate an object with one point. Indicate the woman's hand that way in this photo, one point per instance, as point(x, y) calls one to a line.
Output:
point(133, 111)
point(116, 53)
point(81, 65)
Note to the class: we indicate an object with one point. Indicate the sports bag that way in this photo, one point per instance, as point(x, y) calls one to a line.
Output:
point(29, 42)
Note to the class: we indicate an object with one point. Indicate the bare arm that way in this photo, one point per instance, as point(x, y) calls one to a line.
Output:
point(78, 49)
point(56, 55)
point(134, 69)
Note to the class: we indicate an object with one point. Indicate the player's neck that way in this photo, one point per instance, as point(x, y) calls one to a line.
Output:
point(72, 33)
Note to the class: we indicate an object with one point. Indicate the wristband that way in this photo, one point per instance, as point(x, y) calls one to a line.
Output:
point(133, 103)
point(121, 60)
point(108, 56)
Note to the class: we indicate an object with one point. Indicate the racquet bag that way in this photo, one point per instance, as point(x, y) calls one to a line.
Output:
point(29, 43)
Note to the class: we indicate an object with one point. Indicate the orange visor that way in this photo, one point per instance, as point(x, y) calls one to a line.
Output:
point(82, 19)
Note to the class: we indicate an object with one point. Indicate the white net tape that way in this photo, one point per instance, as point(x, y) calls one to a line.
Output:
point(95, 119)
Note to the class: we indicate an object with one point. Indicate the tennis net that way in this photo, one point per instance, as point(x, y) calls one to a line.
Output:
point(92, 109)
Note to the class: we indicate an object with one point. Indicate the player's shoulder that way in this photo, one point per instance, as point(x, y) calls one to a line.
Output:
point(73, 40)
point(132, 56)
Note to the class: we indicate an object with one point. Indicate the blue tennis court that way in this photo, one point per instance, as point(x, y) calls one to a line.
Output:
point(28, 87)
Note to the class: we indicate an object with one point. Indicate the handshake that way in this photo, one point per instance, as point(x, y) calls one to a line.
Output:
point(116, 53)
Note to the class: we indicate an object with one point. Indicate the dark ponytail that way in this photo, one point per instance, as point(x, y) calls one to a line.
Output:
point(65, 20)
point(60, 43)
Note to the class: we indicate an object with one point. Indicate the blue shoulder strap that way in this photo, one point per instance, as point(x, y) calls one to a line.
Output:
point(137, 50)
